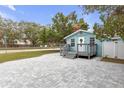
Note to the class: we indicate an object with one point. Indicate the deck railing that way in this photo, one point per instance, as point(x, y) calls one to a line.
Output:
point(88, 50)
point(64, 49)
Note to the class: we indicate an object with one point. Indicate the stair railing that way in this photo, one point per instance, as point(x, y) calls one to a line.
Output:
point(64, 49)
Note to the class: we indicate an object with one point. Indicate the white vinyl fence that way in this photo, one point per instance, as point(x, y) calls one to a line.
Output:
point(113, 49)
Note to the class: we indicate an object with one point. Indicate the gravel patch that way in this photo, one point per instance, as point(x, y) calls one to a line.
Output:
point(52, 70)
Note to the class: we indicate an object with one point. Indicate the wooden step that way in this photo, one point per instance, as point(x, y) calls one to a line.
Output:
point(71, 56)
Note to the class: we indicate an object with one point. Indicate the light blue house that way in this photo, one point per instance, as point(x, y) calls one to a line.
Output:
point(81, 43)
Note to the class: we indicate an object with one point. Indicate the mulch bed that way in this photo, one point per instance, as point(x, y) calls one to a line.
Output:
point(114, 60)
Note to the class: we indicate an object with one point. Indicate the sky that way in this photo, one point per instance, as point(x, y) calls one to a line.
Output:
point(43, 14)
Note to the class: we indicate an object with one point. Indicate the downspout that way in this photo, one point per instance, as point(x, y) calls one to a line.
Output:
point(102, 48)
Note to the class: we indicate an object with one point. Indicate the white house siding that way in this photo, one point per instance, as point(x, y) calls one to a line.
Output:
point(22, 42)
point(113, 49)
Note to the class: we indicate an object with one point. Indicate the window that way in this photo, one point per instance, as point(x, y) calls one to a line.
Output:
point(72, 42)
point(15, 42)
point(92, 41)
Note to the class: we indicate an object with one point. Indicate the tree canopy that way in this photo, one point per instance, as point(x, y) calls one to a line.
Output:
point(52, 34)
point(65, 25)
point(112, 17)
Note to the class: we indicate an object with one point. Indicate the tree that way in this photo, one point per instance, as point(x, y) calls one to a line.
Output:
point(65, 25)
point(1, 28)
point(80, 25)
point(102, 9)
point(43, 36)
point(8, 31)
point(112, 20)
point(112, 26)
point(60, 25)
point(11, 31)
point(59, 22)
point(31, 32)
point(99, 32)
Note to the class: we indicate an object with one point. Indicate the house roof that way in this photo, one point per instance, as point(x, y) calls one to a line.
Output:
point(116, 38)
point(80, 30)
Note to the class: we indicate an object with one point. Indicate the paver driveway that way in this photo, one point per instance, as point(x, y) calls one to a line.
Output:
point(52, 70)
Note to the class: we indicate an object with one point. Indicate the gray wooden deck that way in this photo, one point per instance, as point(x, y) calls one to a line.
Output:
point(90, 50)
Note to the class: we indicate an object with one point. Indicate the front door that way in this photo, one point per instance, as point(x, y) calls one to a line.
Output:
point(81, 48)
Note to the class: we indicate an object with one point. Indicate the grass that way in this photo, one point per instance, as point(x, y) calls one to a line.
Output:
point(113, 60)
point(22, 55)
point(25, 48)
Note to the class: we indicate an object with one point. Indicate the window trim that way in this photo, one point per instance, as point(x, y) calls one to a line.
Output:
point(72, 42)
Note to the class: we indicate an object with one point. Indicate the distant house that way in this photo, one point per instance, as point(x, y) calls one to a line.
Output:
point(18, 42)
point(84, 43)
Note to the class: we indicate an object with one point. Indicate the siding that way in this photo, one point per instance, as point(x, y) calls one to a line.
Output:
point(75, 36)
point(99, 48)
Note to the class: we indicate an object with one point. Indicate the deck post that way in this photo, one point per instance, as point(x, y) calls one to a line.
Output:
point(77, 51)
point(88, 51)
point(60, 50)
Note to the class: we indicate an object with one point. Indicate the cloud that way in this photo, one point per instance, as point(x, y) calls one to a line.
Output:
point(7, 16)
point(3, 15)
point(11, 7)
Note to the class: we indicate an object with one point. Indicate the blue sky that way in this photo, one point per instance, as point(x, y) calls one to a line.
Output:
point(43, 13)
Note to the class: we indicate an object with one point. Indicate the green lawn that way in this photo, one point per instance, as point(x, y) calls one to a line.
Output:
point(25, 48)
point(22, 55)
